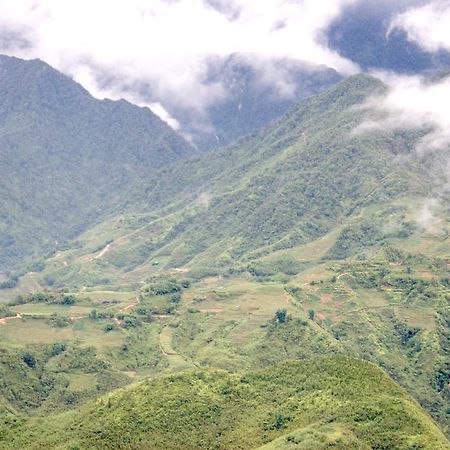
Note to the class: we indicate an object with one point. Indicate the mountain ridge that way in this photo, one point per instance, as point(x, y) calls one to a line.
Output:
point(63, 152)
point(288, 184)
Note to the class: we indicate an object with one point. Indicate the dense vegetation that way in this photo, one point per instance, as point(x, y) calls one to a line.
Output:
point(301, 239)
point(67, 158)
point(284, 186)
point(332, 402)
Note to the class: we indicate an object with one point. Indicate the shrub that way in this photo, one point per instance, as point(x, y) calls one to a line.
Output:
point(29, 360)
point(281, 315)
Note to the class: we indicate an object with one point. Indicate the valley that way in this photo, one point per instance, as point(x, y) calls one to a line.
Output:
point(289, 290)
point(366, 309)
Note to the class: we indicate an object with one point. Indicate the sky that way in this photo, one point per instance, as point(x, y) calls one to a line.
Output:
point(150, 51)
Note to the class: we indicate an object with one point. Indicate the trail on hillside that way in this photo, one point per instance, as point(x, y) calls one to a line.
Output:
point(131, 305)
point(175, 359)
point(103, 252)
point(5, 319)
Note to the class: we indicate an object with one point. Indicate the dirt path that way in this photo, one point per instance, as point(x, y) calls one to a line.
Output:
point(103, 252)
point(6, 319)
point(131, 305)
point(176, 361)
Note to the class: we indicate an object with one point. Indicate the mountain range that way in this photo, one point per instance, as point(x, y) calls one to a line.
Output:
point(284, 186)
point(281, 284)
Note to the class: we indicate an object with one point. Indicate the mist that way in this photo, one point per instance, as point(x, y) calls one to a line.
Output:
point(150, 52)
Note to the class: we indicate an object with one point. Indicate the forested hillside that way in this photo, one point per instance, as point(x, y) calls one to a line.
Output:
point(284, 186)
point(255, 258)
point(66, 159)
point(332, 402)
point(308, 237)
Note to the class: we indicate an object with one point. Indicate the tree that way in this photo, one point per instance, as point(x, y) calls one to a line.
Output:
point(281, 315)
point(29, 360)
point(58, 347)
point(311, 314)
point(68, 300)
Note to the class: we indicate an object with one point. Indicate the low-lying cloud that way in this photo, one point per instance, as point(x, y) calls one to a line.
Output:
point(162, 46)
point(414, 102)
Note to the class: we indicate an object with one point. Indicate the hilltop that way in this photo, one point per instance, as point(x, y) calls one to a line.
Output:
point(327, 402)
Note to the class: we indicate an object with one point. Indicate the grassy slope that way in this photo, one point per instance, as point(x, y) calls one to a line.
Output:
point(339, 399)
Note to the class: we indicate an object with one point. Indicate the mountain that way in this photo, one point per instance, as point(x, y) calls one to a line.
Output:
point(330, 402)
point(305, 238)
point(284, 186)
point(258, 92)
point(253, 92)
point(67, 158)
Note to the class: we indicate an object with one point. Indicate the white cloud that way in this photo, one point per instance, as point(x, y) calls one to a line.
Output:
point(417, 103)
point(413, 102)
point(426, 214)
point(162, 46)
point(428, 25)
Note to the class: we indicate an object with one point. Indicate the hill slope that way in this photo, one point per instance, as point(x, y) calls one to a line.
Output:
point(255, 92)
point(284, 186)
point(67, 158)
point(330, 402)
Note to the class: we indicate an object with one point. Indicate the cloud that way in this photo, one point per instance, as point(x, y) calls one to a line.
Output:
point(151, 51)
point(427, 25)
point(426, 215)
point(414, 102)
point(417, 103)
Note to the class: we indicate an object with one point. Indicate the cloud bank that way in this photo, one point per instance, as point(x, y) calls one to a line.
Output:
point(414, 102)
point(427, 25)
point(123, 48)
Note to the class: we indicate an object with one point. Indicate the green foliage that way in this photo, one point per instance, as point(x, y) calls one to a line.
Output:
point(5, 311)
point(54, 133)
point(164, 287)
point(59, 321)
point(281, 315)
point(45, 297)
point(273, 267)
point(285, 186)
point(302, 195)
point(130, 321)
point(10, 283)
point(356, 239)
point(217, 409)
point(29, 360)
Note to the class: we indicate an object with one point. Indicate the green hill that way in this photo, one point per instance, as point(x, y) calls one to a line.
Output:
point(283, 187)
point(189, 265)
point(330, 402)
point(66, 158)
